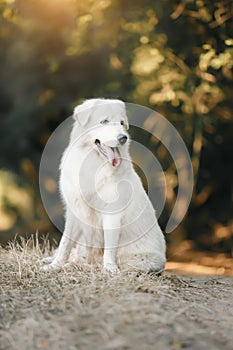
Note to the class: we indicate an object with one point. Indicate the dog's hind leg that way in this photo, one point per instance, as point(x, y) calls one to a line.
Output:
point(151, 263)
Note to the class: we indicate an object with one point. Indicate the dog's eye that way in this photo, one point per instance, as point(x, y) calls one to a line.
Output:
point(105, 121)
point(122, 122)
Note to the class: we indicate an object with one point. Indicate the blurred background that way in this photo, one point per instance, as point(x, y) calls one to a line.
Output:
point(173, 56)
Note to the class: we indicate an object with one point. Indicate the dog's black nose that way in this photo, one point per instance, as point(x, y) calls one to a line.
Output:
point(122, 139)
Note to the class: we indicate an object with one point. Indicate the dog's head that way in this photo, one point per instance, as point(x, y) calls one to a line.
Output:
point(104, 126)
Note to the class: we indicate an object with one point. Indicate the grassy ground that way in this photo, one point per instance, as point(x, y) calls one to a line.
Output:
point(82, 308)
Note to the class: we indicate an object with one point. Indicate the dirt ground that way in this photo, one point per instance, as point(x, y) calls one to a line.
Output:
point(83, 308)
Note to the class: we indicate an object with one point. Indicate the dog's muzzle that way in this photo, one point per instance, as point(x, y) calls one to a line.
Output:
point(112, 154)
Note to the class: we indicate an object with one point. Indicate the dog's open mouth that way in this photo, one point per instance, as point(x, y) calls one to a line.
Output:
point(112, 154)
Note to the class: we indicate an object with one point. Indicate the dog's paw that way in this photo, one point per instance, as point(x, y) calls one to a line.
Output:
point(154, 264)
point(53, 267)
point(47, 260)
point(112, 268)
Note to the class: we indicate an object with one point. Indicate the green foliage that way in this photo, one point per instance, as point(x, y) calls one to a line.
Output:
point(174, 56)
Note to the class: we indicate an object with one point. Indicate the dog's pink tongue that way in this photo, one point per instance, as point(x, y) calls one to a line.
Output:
point(114, 156)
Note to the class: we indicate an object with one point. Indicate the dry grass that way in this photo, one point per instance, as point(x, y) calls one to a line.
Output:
point(82, 308)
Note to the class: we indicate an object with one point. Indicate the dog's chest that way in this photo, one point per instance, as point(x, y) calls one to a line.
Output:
point(106, 188)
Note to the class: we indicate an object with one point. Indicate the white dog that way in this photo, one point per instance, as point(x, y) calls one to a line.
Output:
point(106, 207)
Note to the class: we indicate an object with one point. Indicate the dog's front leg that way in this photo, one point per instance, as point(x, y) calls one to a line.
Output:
point(111, 227)
point(68, 240)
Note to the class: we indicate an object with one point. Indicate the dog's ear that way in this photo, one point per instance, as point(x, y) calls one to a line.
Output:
point(81, 114)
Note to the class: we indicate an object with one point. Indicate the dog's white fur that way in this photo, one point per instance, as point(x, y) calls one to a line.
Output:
point(105, 206)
